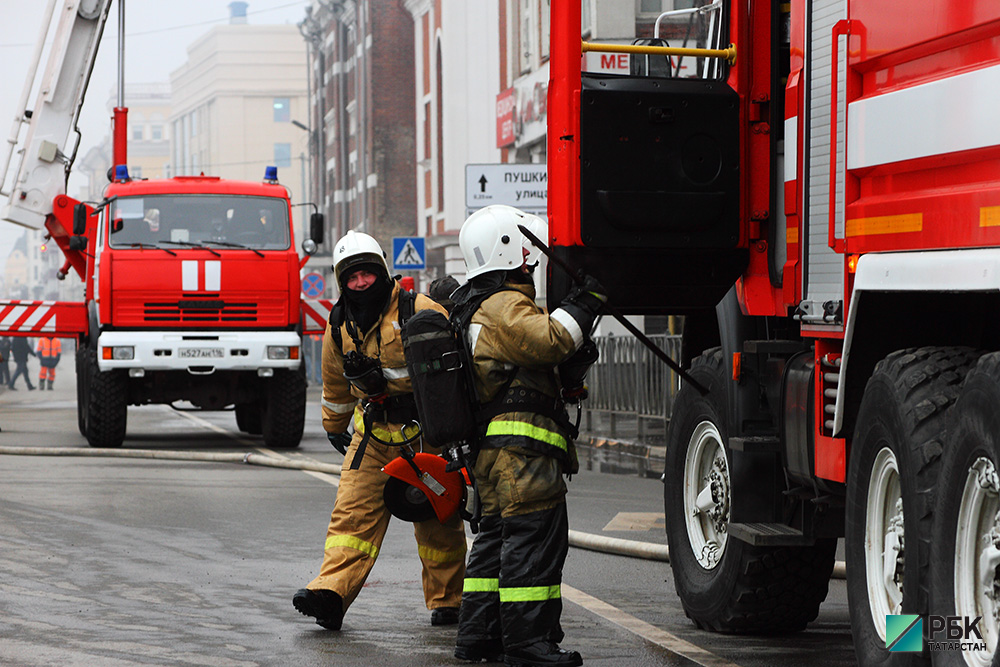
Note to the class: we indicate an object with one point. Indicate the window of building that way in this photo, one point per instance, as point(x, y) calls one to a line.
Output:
point(282, 109)
point(282, 155)
point(527, 34)
point(653, 8)
point(545, 12)
point(586, 20)
point(137, 133)
point(157, 132)
point(352, 118)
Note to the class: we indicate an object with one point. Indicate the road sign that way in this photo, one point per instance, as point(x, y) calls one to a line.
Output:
point(313, 285)
point(408, 253)
point(522, 185)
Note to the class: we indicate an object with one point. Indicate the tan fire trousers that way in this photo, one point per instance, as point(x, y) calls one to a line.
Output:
point(358, 525)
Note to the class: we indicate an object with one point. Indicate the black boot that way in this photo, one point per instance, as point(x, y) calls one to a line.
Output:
point(541, 654)
point(325, 606)
point(484, 650)
point(444, 616)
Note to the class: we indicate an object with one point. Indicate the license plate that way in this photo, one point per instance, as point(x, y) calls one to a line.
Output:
point(200, 352)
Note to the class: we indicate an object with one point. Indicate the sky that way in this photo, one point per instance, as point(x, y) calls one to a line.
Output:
point(157, 33)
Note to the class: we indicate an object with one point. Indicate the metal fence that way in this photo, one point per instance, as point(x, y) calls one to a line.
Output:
point(631, 390)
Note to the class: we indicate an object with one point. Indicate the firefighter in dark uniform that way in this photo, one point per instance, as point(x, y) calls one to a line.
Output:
point(511, 603)
point(366, 331)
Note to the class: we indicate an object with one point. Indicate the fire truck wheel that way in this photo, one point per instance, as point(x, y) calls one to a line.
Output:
point(81, 389)
point(107, 405)
point(965, 538)
point(284, 409)
point(891, 480)
point(248, 418)
point(726, 585)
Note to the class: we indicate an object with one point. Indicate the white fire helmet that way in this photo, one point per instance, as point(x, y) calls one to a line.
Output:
point(491, 241)
point(356, 248)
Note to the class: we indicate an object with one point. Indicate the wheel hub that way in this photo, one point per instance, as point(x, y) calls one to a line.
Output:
point(884, 540)
point(977, 556)
point(707, 494)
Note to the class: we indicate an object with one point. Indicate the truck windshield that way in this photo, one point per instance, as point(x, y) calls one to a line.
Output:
point(255, 223)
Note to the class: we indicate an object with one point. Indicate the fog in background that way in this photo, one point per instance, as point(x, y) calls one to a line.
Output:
point(157, 33)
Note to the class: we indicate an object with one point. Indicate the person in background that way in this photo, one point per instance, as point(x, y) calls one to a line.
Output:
point(49, 351)
point(4, 359)
point(20, 349)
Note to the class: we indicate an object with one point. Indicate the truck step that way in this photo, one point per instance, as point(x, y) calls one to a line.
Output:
point(755, 444)
point(769, 535)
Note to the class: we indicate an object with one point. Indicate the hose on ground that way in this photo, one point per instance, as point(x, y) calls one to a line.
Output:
point(601, 543)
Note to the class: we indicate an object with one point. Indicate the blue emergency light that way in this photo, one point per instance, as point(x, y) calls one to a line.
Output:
point(270, 174)
point(121, 172)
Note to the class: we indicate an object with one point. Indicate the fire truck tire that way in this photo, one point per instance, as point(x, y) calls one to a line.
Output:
point(965, 537)
point(726, 585)
point(891, 482)
point(81, 390)
point(248, 418)
point(284, 409)
point(107, 405)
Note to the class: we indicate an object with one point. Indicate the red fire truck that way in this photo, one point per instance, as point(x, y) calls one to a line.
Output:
point(192, 284)
point(819, 196)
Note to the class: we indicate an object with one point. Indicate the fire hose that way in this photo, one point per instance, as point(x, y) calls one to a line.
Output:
point(589, 541)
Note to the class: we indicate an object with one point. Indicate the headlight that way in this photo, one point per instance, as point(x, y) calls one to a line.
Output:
point(309, 246)
point(118, 353)
point(282, 352)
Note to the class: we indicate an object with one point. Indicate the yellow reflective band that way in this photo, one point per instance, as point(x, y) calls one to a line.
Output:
point(528, 430)
point(383, 434)
point(440, 556)
point(352, 543)
point(473, 585)
point(531, 594)
point(884, 224)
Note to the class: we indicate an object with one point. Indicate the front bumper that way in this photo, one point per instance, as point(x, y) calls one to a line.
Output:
point(198, 352)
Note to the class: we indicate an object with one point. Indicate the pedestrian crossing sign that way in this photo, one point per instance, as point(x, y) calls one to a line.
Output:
point(409, 253)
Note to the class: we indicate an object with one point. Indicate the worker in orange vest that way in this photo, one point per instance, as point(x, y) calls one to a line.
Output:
point(49, 351)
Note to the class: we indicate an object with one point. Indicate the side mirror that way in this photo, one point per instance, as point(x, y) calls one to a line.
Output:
point(78, 243)
point(317, 225)
point(80, 219)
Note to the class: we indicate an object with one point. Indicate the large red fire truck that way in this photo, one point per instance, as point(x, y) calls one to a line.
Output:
point(819, 196)
point(191, 284)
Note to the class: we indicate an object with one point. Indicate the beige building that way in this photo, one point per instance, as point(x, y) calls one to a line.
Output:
point(232, 107)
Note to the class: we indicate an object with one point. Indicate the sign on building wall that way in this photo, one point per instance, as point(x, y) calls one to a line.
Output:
point(524, 186)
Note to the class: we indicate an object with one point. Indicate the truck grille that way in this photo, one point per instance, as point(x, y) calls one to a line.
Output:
point(199, 310)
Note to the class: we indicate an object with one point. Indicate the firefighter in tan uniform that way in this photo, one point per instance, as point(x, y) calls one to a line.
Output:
point(511, 603)
point(363, 343)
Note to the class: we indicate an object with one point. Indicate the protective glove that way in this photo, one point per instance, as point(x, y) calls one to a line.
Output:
point(340, 441)
point(590, 295)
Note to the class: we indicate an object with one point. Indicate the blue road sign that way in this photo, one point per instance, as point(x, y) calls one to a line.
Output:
point(408, 253)
point(313, 285)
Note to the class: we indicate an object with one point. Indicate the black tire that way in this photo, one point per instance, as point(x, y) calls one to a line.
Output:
point(284, 409)
point(107, 405)
point(248, 418)
point(969, 465)
point(896, 451)
point(748, 589)
point(81, 390)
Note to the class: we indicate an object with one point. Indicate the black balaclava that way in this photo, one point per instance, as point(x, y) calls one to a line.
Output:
point(366, 306)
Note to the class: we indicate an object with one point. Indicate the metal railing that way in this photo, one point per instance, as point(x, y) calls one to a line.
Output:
point(629, 385)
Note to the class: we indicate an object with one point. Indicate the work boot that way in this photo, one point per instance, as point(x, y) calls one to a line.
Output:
point(31, 388)
point(444, 616)
point(541, 654)
point(484, 650)
point(50, 385)
point(41, 384)
point(325, 606)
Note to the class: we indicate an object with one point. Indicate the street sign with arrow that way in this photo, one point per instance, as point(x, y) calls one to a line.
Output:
point(522, 185)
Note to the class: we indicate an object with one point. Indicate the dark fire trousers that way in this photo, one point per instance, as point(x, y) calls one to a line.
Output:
point(514, 574)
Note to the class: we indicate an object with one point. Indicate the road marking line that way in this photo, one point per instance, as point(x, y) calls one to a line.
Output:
point(643, 521)
point(649, 632)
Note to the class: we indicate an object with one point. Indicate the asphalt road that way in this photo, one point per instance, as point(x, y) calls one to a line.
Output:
point(111, 561)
